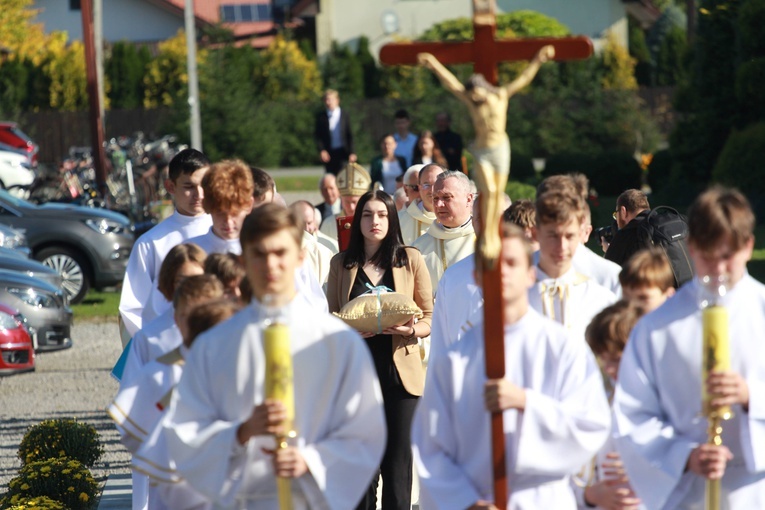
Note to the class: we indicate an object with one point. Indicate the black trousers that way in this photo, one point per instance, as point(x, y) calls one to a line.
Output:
point(396, 467)
point(338, 158)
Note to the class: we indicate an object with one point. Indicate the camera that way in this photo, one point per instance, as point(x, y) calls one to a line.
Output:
point(605, 233)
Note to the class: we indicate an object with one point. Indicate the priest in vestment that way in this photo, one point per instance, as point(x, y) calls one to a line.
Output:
point(555, 412)
point(219, 429)
point(661, 433)
point(451, 237)
point(418, 215)
point(352, 182)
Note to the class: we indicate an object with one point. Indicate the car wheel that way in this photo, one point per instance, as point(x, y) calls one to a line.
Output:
point(72, 269)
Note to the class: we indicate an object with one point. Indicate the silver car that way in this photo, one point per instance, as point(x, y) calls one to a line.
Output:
point(88, 246)
point(49, 318)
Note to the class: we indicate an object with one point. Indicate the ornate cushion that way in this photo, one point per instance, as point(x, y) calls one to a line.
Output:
point(375, 312)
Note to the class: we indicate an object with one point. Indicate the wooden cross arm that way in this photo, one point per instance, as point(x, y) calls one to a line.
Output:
point(566, 48)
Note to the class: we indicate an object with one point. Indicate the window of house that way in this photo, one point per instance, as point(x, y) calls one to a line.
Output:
point(243, 13)
point(74, 5)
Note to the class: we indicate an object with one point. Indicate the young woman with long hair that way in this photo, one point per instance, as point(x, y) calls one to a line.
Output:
point(376, 256)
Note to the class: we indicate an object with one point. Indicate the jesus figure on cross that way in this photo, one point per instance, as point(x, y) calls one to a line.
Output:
point(487, 105)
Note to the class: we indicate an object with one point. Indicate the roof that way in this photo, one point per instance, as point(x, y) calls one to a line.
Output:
point(179, 6)
point(644, 11)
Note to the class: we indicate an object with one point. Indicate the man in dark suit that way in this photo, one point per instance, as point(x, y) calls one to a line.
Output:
point(448, 141)
point(333, 136)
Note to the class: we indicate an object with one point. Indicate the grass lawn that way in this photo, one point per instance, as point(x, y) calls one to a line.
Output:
point(98, 305)
point(307, 183)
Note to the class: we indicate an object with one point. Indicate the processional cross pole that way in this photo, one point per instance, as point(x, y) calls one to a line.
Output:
point(485, 52)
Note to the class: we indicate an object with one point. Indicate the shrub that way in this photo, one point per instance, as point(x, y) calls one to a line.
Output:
point(568, 162)
point(615, 171)
point(38, 503)
point(742, 163)
point(659, 170)
point(61, 438)
point(64, 480)
point(519, 191)
point(522, 168)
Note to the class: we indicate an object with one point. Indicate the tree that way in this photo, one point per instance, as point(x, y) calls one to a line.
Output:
point(369, 68)
point(65, 66)
point(286, 73)
point(342, 71)
point(166, 79)
point(125, 69)
point(618, 66)
point(18, 32)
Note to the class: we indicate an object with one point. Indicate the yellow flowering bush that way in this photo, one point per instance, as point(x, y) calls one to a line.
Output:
point(63, 480)
point(61, 438)
point(38, 503)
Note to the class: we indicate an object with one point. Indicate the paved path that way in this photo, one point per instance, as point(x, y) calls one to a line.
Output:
point(71, 383)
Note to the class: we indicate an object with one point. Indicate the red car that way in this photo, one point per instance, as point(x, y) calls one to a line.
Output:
point(17, 354)
point(10, 134)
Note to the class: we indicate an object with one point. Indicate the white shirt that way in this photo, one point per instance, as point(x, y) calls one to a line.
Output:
point(160, 336)
point(141, 301)
point(334, 128)
point(459, 302)
point(390, 170)
point(441, 247)
point(566, 419)
point(572, 299)
point(405, 147)
point(211, 243)
point(338, 413)
point(603, 271)
point(414, 221)
point(657, 404)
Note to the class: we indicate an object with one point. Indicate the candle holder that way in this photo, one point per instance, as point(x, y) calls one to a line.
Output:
point(715, 357)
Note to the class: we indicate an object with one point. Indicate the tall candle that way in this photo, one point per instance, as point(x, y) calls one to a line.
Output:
point(279, 377)
point(716, 355)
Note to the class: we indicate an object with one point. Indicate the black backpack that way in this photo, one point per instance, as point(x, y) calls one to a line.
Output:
point(666, 228)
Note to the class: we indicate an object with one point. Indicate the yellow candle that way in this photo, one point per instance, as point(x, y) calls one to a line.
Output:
point(279, 377)
point(716, 355)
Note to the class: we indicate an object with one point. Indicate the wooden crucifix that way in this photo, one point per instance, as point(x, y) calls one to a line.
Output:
point(487, 104)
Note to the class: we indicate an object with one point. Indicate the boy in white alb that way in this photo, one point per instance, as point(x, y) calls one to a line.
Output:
point(219, 428)
point(562, 293)
point(228, 198)
point(555, 412)
point(602, 483)
point(140, 300)
point(161, 334)
point(661, 433)
point(167, 489)
point(146, 381)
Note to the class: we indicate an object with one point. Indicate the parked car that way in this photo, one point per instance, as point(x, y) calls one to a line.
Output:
point(16, 254)
point(14, 170)
point(29, 160)
point(17, 352)
point(32, 268)
point(49, 318)
point(10, 134)
point(88, 246)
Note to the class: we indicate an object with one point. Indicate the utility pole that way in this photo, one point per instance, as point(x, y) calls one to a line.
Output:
point(191, 70)
point(96, 127)
point(98, 38)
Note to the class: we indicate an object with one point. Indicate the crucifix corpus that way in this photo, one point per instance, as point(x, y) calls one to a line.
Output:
point(487, 103)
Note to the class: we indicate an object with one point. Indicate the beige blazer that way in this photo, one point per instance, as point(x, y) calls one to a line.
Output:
point(412, 280)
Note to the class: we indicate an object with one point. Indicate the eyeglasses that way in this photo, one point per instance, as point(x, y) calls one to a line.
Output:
point(426, 186)
point(413, 187)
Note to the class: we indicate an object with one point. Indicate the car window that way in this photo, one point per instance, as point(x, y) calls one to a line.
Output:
point(20, 134)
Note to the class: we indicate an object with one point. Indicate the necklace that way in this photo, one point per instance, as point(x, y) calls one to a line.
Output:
point(374, 267)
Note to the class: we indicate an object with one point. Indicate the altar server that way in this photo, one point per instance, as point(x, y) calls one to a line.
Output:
point(555, 412)
point(661, 432)
point(219, 427)
point(140, 300)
